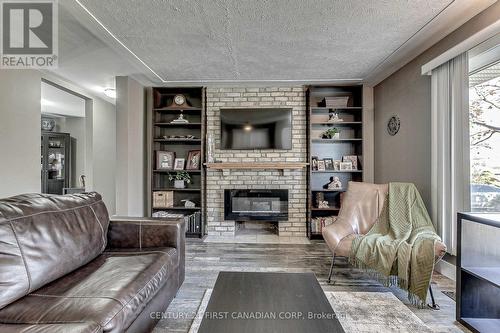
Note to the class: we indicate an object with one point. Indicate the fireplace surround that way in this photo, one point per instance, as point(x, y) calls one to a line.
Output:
point(255, 205)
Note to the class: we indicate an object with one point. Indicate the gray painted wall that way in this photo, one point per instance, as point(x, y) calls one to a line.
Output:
point(19, 132)
point(406, 93)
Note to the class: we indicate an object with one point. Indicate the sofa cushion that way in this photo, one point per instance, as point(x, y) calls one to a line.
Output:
point(52, 328)
point(44, 237)
point(110, 291)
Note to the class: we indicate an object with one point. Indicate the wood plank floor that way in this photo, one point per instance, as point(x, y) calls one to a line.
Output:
point(205, 260)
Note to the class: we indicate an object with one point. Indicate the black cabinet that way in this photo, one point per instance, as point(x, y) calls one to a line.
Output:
point(55, 162)
point(478, 271)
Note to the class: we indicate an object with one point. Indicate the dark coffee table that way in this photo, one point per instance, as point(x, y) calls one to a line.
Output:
point(268, 302)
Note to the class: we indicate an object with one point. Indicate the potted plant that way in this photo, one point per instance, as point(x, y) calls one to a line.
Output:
point(331, 133)
point(180, 179)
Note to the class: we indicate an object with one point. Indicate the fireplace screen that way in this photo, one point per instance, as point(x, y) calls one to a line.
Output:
point(243, 205)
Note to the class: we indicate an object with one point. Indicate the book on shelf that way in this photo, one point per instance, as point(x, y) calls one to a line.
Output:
point(193, 222)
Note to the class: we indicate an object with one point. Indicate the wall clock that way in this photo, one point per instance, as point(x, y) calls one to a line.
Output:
point(393, 125)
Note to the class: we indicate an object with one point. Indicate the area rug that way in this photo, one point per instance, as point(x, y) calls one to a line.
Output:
point(357, 312)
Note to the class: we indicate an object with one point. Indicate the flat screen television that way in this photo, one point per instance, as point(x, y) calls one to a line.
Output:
point(256, 128)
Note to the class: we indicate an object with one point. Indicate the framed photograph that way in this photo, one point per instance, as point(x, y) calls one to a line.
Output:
point(336, 165)
point(193, 160)
point(179, 163)
point(165, 160)
point(353, 159)
point(321, 165)
point(314, 163)
point(345, 166)
point(328, 164)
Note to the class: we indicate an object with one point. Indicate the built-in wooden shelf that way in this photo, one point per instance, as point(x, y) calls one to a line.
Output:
point(177, 189)
point(178, 109)
point(178, 124)
point(191, 141)
point(256, 166)
point(178, 208)
point(325, 190)
point(168, 171)
point(323, 108)
point(340, 123)
point(325, 209)
point(338, 171)
point(335, 140)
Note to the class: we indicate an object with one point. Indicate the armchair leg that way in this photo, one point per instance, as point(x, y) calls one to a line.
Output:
point(331, 269)
point(433, 306)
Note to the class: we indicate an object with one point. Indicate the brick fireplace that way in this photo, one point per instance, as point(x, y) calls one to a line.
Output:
point(292, 180)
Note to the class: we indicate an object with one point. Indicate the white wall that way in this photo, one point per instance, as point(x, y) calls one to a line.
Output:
point(130, 148)
point(104, 152)
point(19, 132)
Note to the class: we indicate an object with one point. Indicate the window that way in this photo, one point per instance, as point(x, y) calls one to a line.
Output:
point(484, 115)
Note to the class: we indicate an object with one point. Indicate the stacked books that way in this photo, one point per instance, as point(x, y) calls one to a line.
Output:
point(167, 215)
point(193, 222)
point(317, 225)
point(336, 102)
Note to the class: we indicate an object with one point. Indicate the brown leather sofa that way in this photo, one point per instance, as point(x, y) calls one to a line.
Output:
point(65, 267)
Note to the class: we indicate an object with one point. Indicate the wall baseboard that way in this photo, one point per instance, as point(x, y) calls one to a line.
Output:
point(447, 269)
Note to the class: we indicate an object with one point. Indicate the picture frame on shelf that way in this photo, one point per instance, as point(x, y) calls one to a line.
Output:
point(329, 164)
point(321, 165)
point(179, 163)
point(314, 163)
point(353, 159)
point(165, 160)
point(336, 165)
point(193, 160)
point(346, 166)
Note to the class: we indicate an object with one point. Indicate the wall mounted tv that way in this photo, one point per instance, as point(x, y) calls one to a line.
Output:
point(256, 128)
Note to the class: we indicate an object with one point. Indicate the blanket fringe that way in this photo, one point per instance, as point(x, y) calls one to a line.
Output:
point(389, 281)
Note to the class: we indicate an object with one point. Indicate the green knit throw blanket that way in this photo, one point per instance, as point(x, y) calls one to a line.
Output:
point(399, 248)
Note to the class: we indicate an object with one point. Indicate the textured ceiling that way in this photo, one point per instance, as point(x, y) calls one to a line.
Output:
point(190, 40)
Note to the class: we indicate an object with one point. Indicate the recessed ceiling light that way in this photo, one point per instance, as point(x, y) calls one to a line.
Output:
point(110, 92)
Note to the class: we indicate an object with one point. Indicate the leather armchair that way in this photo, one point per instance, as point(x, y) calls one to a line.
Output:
point(361, 206)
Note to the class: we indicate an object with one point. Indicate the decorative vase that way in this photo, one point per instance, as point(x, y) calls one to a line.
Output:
point(336, 136)
point(48, 124)
point(179, 184)
point(210, 148)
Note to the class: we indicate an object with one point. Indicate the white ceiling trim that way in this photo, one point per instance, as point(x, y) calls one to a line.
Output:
point(447, 21)
point(462, 47)
point(454, 15)
point(119, 41)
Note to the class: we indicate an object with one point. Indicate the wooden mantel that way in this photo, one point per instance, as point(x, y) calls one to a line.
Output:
point(226, 167)
point(253, 165)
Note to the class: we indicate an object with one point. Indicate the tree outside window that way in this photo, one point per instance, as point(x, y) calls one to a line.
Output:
point(484, 107)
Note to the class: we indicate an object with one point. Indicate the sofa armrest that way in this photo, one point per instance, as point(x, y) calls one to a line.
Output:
point(145, 232)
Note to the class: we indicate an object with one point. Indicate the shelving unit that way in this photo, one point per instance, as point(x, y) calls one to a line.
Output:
point(55, 162)
point(349, 143)
point(163, 131)
point(478, 271)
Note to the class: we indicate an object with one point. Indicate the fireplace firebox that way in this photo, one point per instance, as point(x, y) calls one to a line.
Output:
point(262, 205)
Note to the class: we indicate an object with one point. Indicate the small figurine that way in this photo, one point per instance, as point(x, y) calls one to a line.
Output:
point(323, 204)
point(334, 184)
point(188, 203)
point(334, 118)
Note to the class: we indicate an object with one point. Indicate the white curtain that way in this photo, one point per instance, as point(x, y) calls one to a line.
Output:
point(450, 146)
